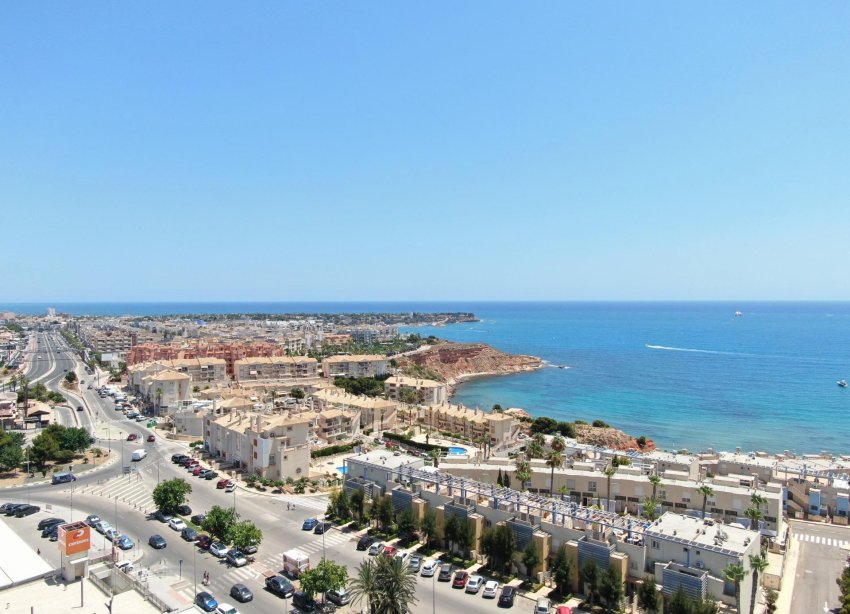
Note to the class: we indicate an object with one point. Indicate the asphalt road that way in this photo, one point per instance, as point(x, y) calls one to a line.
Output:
point(820, 562)
point(125, 501)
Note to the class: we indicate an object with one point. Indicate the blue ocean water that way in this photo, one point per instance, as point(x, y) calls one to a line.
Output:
point(688, 375)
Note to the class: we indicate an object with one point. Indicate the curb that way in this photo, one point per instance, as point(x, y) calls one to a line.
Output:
point(48, 481)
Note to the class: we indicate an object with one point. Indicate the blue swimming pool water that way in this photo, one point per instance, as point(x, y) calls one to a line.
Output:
point(456, 450)
point(342, 470)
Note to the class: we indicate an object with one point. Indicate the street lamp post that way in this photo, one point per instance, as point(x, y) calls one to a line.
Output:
point(181, 569)
point(195, 568)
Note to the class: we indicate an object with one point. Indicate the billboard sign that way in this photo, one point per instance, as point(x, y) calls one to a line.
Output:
point(74, 537)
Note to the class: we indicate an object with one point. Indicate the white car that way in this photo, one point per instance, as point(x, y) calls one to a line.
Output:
point(402, 556)
point(491, 589)
point(473, 585)
point(230, 488)
point(177, 524)
point(111, 534)
point(429, 568)
point(226, 608)
point(376, 548)
point(219, 549)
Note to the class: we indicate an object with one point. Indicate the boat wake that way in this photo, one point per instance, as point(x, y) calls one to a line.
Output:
point(692, 350)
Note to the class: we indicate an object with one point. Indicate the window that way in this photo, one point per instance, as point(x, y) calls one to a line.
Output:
point(571, 484)
point(591, 486)
point(656, 545)
point(272, 459)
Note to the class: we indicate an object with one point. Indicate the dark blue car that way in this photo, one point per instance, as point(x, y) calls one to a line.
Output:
point(309, 524)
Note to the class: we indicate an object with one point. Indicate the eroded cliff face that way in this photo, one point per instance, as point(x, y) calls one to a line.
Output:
point(609, 437)
point(458, 361)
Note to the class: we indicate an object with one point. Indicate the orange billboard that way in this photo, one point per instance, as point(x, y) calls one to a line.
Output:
point(74, 537)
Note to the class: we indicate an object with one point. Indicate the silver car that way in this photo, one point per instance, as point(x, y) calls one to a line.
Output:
point(473, 585)
point(376, 548)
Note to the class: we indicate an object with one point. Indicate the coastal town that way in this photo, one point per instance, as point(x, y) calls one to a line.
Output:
point(298, 417)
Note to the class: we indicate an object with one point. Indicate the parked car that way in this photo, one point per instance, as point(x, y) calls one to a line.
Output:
point(27, 510)
point(206, 602)
point(91, 519)
point(11, 508)
point(102, 527)
point(323, 527)
point(184, 510)
point(280, 586)
point(223, 483)
point(189, 534)
point(51, 530)
point(364, 542)
point(48, 521)
point(176, 524)
point(219, 549)
point(178, 458)
point(402, 556)
point(226, 608)
point(198, 519)
point(196, 470)
point(230, 487)
point(132, 437)
point(414, 563)
point(204, 542)
point(376, 548)
point(445, 573)
point(429, 568)
point(506, 599)
point(241, 593)
point(162, 516)
point(210, 474)
point(389, 551)
point(563, 609)
point(236, 558)
point(473, 585)
point(338, 596)
point(543, 606)
point(309, 524)
point(250, 550)
point(303, 602)
point(157, 542)
point(461, 578)
point(491, 587)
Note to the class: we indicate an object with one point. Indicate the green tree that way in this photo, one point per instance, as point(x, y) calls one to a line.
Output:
point(498, 544)
point(428, 527)
point(843, 582)
point(357, 503)
point(530, 559)
point(220, 522)
point(648, 597)
point(609, 473)
point(11, 451)
point(562, 571)
point(590, 578)
point(465, 537)
point(451, 531)
point(407, 525)
point(522, 471)
point(771, 597)
point(679, 603)
point(70, 377)
point(245, 534)
point(655, 480)
point(384, 513)
point(650, 508)
point(74, 439)
point(170, 494)
point(611, 589)
point(387, 584)
point(324, 577)
point(435, 455)
point(365, 585)
point(544, 424)
point(706, 491)
point(758, 564)
point(297, 393)
point(735, 573)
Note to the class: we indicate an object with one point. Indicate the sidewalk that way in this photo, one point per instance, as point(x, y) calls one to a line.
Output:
point(783, 604)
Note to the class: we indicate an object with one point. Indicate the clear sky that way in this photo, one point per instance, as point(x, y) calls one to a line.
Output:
point(420, 150)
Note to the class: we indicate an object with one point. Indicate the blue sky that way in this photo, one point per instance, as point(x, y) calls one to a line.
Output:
point(414, 151)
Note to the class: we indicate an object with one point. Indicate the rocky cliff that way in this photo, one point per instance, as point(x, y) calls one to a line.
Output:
point(455, 362)
point(610, 438)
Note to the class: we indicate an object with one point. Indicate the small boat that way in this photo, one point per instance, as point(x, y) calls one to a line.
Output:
point(738, 314)
point(842, 383)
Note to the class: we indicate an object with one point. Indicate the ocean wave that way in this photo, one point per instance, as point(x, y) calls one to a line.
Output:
point(693, 350)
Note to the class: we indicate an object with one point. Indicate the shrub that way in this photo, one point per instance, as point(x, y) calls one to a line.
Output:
point(331, 450)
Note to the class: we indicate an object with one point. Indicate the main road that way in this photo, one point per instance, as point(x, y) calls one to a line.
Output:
point(125, 501)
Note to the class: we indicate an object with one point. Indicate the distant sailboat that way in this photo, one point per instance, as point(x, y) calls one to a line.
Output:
point(738, 314)
point(842, 383)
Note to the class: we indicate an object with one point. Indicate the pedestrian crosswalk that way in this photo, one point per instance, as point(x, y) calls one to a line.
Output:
point(222, 578)
point(819, 539)
point(128, 489)
point(317, 504)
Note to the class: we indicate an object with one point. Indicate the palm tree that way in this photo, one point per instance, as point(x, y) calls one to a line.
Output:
point(655, 480)
point(522, 471)
point(735, 573)
point(365, 584)
point(756, 516)
point(706, 491)
point(158, 399)
point(609, 472)
point(758, 563)
point(555, 461)
point(398, 587)
point(558, 444)
point(650, 508)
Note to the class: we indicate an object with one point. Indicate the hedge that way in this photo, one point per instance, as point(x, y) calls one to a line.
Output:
point(426, 447)
point(331, 450)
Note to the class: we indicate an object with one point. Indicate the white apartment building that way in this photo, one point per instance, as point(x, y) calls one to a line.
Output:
point(272, 446)
point(422, 391)
point(167, 390)
point(496, 427)
point(375, 414)
point(264, 368)
point(361, 365)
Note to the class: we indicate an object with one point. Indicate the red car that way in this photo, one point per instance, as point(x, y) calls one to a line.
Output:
point(460, 579)
point(197, 470)
point(562, 609)
point(224, 483)
point(151, 438)
point(204, 542)
point(132, 437)
point(389, 551)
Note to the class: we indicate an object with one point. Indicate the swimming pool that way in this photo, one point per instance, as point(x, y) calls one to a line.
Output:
point(457, 450)
point(343, 470)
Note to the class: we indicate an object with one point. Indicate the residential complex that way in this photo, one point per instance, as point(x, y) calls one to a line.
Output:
point(275, 368)
point(375, 414)
point(496, 428)
point(420, 391)
point(364, 365)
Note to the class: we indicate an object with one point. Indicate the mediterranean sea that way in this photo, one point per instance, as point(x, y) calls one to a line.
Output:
point(687, 375)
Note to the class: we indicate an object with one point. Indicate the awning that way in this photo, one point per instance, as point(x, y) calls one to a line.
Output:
point(768, 532)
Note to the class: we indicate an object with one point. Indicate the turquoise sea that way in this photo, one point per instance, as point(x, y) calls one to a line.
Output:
point(688, 375)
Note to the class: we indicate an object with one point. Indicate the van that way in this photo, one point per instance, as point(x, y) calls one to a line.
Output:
point(138, 455)
point(63, 477)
